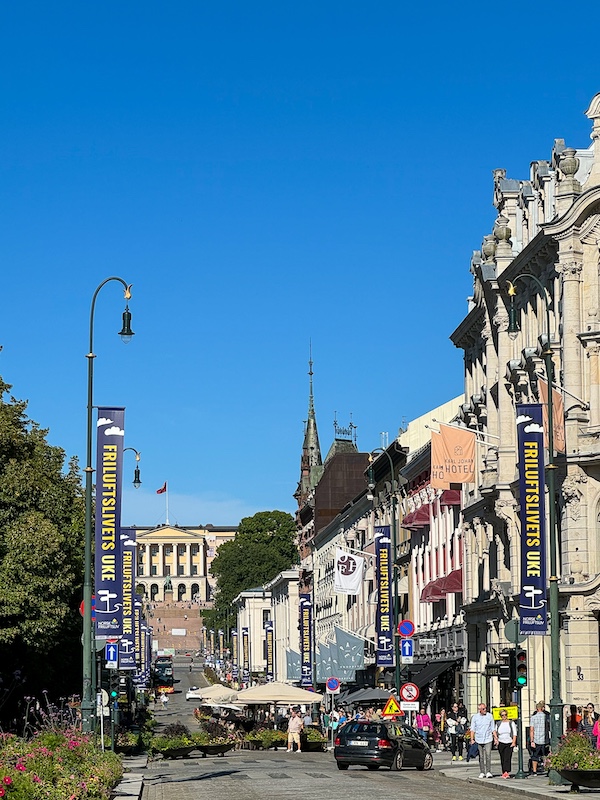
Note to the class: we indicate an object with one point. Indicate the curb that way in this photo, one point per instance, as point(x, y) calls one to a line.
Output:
point(131, 784)
point(512, 786)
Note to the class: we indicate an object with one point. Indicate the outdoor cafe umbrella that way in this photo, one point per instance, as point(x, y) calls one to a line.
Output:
point(218, 692)
point(277, 693)
point(374, 696)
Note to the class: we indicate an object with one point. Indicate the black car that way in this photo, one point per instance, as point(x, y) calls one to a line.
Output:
point(380, 744)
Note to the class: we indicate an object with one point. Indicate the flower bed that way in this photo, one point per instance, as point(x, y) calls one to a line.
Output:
point(55, 766)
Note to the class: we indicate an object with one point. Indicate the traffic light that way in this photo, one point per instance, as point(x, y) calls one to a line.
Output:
point(113, 685)
point(504, 666)
point(521, 668)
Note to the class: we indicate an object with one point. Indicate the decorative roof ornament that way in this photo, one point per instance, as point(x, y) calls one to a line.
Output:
point(593, 113)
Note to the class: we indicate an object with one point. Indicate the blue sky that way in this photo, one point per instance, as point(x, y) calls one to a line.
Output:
point(264, 174)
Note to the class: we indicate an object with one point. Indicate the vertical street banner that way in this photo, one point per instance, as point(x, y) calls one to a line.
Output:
point(221, 644)
point(533, 608)
point(306, 639)
point(212, 643)
point(127, 641)
point(108, 577)
point(384, 623)
point(245, 656)
point(270, 650)
point(235, 670)
point(145, 665)
point(137, 636)
point(348, 572)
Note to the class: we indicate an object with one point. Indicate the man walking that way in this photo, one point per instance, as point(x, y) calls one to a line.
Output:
point(295, 727)
point(483, 733)
point(539, 735)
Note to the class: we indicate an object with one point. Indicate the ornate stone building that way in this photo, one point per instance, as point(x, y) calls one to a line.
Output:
point(548, 227)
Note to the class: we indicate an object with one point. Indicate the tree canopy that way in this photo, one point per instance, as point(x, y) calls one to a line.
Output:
point(263, 546)
point(41, 556)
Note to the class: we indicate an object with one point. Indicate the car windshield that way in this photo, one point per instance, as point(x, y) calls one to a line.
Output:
point(360, 727)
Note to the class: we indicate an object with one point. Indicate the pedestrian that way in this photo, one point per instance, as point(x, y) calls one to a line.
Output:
point(586, 726)
point(295, 728)
point(423, 723)
point(164, 699)
point(573, 719)
point(483, 734)
point(506, 732)
point(456, 731)
point(307, 719)
point(539, 736)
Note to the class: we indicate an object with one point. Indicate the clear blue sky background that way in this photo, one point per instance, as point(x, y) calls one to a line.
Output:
point(263, 173)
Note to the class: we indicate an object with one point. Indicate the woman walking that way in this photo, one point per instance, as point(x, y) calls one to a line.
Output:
point(506, 731)
point(586, 726)
point(456, 731)
point(423, 722)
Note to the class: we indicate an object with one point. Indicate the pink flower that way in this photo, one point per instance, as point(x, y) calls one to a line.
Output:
point(20, 766)
point(7, 780)
point(2, 792)
point(36, 778)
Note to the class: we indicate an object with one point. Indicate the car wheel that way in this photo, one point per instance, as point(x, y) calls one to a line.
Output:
point(372, 766)
point(398, 761)
point(342, 766)
point(427, 762)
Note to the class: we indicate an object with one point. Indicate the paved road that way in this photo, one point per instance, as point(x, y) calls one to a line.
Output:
point(267, 775)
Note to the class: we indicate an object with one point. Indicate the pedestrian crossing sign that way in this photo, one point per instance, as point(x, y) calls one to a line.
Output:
point(391, 707)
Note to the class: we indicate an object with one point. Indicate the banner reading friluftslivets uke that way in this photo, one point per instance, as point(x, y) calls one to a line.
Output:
point(533, 600)
point(108, 574)
point(384, 623)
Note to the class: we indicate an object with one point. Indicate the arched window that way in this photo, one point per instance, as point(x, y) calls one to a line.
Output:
point(153, 591)
point(181, 590)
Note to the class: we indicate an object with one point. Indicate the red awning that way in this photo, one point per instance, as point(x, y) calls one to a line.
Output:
point(433, 592)
point(418, 518)
point(450, 497)
point(452, 583)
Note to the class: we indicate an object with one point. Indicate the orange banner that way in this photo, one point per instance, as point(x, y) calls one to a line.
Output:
point(452, 457)
point(558, 416)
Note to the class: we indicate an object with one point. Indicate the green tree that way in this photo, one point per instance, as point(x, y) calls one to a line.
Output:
point(41, 559)
point(263, 546)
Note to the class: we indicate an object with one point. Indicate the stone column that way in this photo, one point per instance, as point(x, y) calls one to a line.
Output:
point(160, 571)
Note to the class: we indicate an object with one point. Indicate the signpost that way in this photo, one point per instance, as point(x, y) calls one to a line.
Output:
point(409, 692)
point(406, 628)
point(332, 685)
point(407, 649)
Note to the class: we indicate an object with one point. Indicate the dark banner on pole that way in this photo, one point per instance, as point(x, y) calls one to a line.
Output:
point(235, 670)
point(245, 656)
point(306, 639)
point(137, 637)
point(127, 641)
point(533, 609)
point(108, 576)
point(270, 648)
point(384, 622)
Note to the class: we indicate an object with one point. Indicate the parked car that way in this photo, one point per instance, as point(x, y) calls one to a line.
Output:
point(380, 744)
point(193, 693)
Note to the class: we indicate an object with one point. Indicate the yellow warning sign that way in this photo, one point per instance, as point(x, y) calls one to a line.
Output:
point(391, 707)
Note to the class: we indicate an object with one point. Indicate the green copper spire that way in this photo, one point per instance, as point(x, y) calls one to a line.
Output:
point(311, 462)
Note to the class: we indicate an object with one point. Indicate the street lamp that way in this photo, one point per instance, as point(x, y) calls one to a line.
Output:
point(395, 603)
point(136, 474)
point(88, 660)
point(556, 703)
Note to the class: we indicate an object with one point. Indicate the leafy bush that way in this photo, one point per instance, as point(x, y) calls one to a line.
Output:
point(575, 751)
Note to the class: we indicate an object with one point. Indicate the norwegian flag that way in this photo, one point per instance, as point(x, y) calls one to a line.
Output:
point(162, 489)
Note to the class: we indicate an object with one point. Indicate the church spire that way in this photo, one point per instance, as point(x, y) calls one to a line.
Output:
point(311, 462)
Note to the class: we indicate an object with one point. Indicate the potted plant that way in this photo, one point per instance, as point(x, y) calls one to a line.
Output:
point(126, 742)
point(313, 740)
point(576, 761)
point(174, 742)
point(214, 739)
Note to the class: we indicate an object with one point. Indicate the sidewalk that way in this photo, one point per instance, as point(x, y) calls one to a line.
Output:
point(469, 772)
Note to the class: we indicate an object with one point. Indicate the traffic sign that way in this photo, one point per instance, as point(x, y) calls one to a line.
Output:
point(332, 685)
point(409, 706)
point(112, 656)
point(409, 692)
point(406, 628)
point(407, 650)
point(391, 707)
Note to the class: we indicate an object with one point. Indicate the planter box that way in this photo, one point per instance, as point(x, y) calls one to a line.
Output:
point(214, 749)
point(590, 778)
point(314, 747)
point(178, 752)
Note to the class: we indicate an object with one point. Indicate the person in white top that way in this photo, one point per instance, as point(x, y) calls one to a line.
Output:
point(506, 731)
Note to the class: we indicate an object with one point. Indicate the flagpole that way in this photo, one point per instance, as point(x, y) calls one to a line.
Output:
point(167, 502)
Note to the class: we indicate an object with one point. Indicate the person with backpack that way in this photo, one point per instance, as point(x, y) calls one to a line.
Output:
point(506, 731)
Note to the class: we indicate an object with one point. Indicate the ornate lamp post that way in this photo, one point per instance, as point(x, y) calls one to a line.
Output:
point(136, 473)
point(395, 603)
point(125, 333)
point(556, 703)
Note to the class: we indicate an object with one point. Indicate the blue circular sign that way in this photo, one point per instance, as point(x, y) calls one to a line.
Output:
point(406, 628)
point(333, 684)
